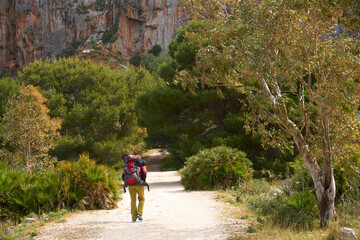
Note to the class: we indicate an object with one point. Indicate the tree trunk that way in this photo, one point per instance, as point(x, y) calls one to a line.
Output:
point(323, 179)
point(327, 202)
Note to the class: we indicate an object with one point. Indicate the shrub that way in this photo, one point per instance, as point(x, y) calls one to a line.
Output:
point(298, 211)
point(155, 50)
point(86, 185)
point(100, 5)
point(215, 168)
point(78, 184)
point(135, 60)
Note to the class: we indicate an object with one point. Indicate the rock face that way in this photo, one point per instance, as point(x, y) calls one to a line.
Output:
point(33, 29)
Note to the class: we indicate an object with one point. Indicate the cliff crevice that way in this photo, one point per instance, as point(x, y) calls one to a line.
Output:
point(37, 29)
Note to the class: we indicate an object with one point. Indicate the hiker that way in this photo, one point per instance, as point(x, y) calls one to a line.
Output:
point(134, 176)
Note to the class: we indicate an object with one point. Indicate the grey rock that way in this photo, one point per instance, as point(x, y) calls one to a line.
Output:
point(346, 234)
point(44, 218)
point(9, 230)
point(29, 220)
point(339, 30)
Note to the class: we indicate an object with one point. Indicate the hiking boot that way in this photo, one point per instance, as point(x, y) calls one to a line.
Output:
point(139, 217)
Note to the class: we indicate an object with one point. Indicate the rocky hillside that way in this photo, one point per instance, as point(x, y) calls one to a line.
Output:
point(32, 29)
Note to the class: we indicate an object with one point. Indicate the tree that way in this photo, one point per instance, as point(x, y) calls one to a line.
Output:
point(297, 76)
point(155, 50)
point(29, 130)
point(8, 88)
point(96, 104)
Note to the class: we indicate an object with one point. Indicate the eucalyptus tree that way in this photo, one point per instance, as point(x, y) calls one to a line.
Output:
point(29, 130)
point(299, 74)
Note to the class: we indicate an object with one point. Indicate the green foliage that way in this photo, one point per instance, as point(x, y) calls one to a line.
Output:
point(149, 61)
point(72, 48)
point(287, 209)
point(29, 131)
point(155, 50)
point(216, 168)
point(152, 62)
point(77, 184)
point(100, 5)
point(298, 211)
point(109, 34)
point(135, 60)
point(171, 164)
point(185, 123)
point(181, 51)
point(300, 77)
point(96, 104)
point(85, 185)
point(8, 88)
point(346, 174)
point(83, 9)
point(167, 70)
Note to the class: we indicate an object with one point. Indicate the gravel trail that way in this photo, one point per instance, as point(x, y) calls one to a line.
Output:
point(170, 212)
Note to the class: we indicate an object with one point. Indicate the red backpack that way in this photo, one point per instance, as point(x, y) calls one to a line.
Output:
point(131, 174)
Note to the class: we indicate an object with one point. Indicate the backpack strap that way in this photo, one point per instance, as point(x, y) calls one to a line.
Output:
point(147, 186)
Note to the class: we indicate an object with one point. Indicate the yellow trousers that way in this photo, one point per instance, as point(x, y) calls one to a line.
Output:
point(136, 190)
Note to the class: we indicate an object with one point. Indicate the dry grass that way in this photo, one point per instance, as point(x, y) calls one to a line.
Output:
point(348, 216)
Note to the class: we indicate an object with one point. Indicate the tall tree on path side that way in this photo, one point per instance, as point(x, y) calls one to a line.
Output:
point(29, 131)
point(298, 74)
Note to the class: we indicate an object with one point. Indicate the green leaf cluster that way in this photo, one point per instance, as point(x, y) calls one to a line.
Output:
point(8, 88)
point(78, 184)
point(216, 168)
point(182, 51)
point(96, 104)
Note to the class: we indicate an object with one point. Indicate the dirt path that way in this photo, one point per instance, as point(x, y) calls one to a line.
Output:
point(170, 213)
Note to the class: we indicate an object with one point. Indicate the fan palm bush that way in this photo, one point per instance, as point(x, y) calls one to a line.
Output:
point(76, 184)
point(86, 185)
point(216, 168)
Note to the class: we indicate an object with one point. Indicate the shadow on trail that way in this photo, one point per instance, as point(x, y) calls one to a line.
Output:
point(170, 185)
point(154, 161)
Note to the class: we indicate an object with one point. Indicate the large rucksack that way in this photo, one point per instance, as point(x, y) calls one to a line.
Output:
point(131, 175)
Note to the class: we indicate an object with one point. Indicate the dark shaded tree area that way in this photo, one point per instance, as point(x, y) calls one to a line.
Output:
point(186, 122)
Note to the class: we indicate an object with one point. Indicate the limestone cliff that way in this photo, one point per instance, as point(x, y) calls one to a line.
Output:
point(32, 29)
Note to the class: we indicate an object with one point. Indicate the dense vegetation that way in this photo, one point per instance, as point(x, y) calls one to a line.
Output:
point(263, 90)
point(303, 84)
point(77, 184)
point(185, 122)
point(96, 105)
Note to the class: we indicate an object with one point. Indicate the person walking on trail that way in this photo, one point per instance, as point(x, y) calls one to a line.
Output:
point(134, 176)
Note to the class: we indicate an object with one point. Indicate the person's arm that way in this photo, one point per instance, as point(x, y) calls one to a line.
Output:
point(143, 173)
